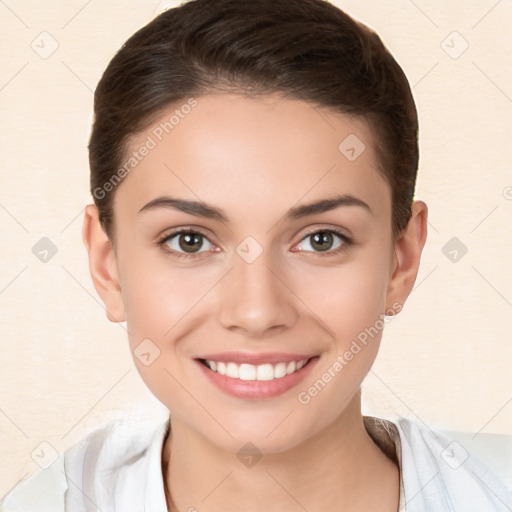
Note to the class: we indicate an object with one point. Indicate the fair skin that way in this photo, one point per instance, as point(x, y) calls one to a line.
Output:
point(255, 159)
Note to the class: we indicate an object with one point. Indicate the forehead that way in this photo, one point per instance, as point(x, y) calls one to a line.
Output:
point(236, 151)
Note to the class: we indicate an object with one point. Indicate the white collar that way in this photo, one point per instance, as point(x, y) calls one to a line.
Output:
point(155, 494)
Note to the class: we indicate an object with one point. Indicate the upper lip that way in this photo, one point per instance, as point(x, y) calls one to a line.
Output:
point(256, 359)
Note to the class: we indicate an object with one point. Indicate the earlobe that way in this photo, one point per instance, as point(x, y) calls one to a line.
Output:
point(102, 265)
point(408, 249)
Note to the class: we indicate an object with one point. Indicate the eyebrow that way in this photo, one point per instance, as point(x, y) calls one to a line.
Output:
point(201, 209)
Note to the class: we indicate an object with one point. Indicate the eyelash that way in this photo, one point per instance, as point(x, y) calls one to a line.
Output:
point(347, 242)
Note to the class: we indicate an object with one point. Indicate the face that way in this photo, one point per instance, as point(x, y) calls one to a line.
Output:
point(246, 268)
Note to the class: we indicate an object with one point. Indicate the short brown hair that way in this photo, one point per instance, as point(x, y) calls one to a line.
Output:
point(303, 49)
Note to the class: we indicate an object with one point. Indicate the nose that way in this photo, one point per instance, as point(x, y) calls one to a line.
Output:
point(256, 298)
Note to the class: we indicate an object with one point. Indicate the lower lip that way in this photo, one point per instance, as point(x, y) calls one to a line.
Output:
point(257, 389)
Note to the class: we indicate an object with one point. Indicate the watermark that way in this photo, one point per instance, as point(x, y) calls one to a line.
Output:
point(45, 45)
point(157, 134)
point(44, 455)
point(304, 397)
point(455, 455)
point(146, 352)
point(249, 249)
point(249, 455)
point(352, 147)
point(454, 45)
point(454, 249)
point(44, 250)
point(174, 120)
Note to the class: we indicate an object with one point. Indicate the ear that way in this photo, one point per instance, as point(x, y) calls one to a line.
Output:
point(408, 249)
point(103, 265)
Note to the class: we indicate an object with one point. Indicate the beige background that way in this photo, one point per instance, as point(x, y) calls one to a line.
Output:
point(446, 360)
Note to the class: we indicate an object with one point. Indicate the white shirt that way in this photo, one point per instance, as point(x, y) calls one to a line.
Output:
point(117, 468)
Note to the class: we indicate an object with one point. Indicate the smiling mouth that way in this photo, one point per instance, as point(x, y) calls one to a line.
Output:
point(261, 372)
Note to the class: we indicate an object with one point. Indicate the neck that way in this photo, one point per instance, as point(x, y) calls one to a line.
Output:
point(339, 467)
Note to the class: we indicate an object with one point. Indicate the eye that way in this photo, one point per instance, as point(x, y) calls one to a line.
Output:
point(184, 243)
point(187, 243)
point(324, 241)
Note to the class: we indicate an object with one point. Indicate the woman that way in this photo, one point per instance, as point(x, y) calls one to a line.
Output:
point(253, 167)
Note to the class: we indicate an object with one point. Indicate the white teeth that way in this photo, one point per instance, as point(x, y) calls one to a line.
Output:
point(265, 372)
point(279, 370)
point(232, 370)
point(246, 371)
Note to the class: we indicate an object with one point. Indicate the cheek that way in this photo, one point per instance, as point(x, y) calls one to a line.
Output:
point(349, 303)
point(155, 290)
point(346, 299)
point(161, 298)
point(157, 300)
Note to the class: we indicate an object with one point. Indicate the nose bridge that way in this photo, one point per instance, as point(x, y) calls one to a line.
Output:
point(255, 297)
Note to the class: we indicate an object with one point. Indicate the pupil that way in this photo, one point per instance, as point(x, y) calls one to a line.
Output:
point(189, 241)
point(323, 240)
